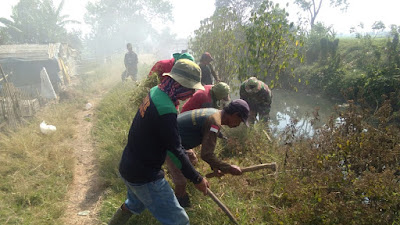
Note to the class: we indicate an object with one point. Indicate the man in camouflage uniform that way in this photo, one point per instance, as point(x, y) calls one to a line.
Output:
point(259, 97)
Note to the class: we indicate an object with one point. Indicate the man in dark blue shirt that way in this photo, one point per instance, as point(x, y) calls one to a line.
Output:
point(153, 135)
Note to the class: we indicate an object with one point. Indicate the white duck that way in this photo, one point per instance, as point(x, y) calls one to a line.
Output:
point(47, 129)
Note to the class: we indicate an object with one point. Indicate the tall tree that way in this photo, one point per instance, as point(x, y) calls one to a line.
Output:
point(313, 7)
point(114, 24)
point(262, 46)
point(272, 44)
point(221, 35)
point(37, 21)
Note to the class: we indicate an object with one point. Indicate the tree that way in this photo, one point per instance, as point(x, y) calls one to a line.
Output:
point(37, 21)
point(113, 25)
point(312, 7)
point(240, 7)
point(272, 43)
point(263, 46)
point(221, 35)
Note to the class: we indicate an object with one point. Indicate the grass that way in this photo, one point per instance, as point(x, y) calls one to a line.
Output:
point(36, 169)
point(321, 180)
point(243, 195)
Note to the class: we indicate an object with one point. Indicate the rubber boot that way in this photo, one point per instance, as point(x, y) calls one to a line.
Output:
point(184, 201)
point(121, 216)
point(182, 195)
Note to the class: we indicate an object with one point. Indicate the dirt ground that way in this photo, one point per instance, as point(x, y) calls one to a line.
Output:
point(84, 195)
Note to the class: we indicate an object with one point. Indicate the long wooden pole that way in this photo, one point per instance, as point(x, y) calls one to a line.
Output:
point(271, 166)
point(222, 206)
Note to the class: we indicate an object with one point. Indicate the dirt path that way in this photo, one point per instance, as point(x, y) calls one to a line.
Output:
point(84, 194)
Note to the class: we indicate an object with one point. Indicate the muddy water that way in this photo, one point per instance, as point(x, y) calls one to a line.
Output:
point(287, 105)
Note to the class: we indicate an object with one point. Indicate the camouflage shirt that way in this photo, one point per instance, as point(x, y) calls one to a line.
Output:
point(257, 94)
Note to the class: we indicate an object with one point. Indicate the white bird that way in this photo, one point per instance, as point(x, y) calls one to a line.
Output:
point(47, 129)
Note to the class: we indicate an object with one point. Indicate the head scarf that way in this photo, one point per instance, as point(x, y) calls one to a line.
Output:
point(178, 56)
point(174, 90)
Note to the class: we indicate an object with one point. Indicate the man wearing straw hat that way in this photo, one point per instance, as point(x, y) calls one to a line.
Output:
point(152, 135)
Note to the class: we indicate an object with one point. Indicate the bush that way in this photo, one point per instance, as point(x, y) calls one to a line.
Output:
point(347, 174)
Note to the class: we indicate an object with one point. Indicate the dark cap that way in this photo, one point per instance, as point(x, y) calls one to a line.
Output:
point(239, 106)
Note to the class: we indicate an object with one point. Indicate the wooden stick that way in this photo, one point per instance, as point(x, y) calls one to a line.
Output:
point(222, 206)
point(266, 134)
point(271, 166)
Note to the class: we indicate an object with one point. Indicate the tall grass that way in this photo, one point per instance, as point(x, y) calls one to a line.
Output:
point(115, 115)
point(346, 174)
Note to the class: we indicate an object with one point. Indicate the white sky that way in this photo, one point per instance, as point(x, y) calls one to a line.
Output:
point(188, 13)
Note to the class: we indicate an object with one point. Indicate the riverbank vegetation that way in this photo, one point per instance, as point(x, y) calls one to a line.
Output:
point(346, 173)
point(267, 45)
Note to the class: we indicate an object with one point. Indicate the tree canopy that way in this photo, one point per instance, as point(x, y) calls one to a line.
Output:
point(262, 46)
point(113, 24)
point(37, 22)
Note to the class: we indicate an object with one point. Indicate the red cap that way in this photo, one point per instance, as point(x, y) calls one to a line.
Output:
point(206, 57)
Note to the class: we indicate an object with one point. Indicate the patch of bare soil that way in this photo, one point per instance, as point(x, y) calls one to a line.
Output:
point(84, 194)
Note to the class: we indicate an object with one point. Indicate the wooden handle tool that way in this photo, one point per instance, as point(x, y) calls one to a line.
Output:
point(271, 166)
point(222, 206)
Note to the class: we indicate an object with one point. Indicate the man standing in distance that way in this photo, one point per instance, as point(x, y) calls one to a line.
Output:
point(207, 69)
point(130, 61)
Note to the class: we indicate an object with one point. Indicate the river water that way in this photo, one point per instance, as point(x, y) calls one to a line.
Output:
point(289, 105)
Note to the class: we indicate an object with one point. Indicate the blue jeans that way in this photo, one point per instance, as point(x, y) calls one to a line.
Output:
point(159, 198)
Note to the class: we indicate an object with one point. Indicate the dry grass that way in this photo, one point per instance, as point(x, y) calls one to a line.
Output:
point(36, 169)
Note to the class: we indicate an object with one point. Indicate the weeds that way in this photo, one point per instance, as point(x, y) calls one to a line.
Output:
point(346, 173)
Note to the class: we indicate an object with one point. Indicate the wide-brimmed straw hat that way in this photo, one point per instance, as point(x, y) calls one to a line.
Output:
point(187, 73)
